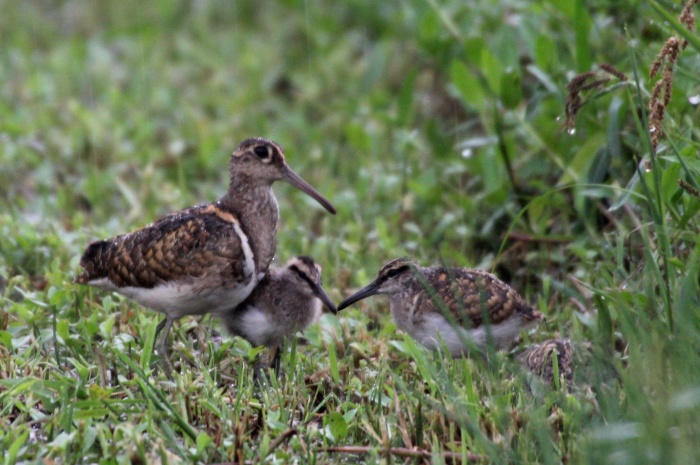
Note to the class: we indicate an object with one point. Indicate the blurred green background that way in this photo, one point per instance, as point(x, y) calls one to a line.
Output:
point(437, 128)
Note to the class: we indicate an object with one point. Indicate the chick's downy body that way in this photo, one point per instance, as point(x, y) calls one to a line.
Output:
point(287, 300)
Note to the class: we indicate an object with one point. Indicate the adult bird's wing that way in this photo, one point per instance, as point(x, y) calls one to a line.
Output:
point(202, 240)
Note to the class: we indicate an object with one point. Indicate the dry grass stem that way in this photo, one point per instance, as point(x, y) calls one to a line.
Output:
point(688, 188)
point(666, 59)
point(451, 457)
point(591, 80)
point(286, 434)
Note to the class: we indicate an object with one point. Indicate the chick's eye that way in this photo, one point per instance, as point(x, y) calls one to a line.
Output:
point(395, 271)
point(261, 151)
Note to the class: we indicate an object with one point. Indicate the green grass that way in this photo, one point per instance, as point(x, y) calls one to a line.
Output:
point(436, 128)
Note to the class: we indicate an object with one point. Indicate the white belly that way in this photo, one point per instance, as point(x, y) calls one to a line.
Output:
point(436, 327)
point(195, 296)
point(503, 333)
point(178, 300)
point(270, 326)
point(256, 326)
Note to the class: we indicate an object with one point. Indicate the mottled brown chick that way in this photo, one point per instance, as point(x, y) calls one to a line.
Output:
point(207, 258)
point(434, 303)
point(539, 359)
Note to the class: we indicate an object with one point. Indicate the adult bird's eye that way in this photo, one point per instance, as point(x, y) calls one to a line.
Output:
point(261, 151)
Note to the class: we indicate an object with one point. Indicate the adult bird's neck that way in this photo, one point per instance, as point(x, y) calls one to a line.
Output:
point(255, 207)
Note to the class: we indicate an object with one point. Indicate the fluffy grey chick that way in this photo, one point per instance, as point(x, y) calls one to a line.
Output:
point(287, 300)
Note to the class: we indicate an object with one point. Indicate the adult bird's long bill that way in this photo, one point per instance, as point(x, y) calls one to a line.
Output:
point(295, 180)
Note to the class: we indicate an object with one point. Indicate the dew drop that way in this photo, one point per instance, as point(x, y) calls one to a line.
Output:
point(572, 131)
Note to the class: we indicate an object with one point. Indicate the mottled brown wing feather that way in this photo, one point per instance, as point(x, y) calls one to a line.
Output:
point(470, 294)
point(186, 244)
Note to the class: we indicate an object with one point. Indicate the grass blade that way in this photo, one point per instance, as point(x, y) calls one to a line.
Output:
point(156, 396)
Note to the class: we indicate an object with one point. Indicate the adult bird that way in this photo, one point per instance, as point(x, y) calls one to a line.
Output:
point(204, 259)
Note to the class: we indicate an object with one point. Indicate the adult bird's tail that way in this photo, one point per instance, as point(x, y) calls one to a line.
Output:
point(93, 261)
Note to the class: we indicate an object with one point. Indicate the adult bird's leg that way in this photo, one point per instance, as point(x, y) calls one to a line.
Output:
point(162, 347)
point(160, 327)
point(276, 359)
